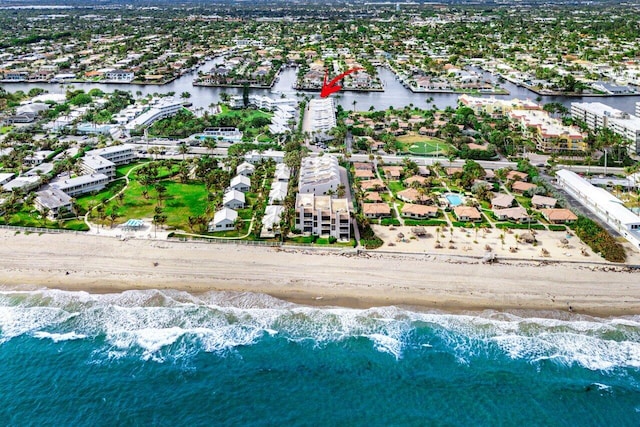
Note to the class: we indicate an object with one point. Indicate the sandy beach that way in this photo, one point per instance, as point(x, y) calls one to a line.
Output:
point(104, 264)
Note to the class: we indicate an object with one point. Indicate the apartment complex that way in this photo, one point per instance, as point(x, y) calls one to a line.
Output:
point(82, 184)
point(605, 205)
point(165, 107)
point(319, 175)
point(323, 216)
point(320, 115)
point(600, 116)
point(117, 154)
point(549, 134)
point(496, 107)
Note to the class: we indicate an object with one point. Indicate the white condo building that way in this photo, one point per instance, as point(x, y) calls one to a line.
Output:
point(318, 175)
point(320, 115)
point(165, 107)
point(605, 205)
point(262, 102)
point(82, 184)
point(323, 216)
point(600, 116)
point(496, 107)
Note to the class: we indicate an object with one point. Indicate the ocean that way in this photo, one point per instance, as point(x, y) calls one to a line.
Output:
point(170, 358)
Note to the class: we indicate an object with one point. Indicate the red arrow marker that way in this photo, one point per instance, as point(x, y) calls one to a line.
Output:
point(333, 86)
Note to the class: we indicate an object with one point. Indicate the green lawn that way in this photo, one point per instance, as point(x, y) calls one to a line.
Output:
point(423, 145)
point(5, 129)
point(395, 186)
point(30, 217)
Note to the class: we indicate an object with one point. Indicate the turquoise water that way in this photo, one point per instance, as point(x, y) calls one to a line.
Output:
point(171, 358)
point(454, 199)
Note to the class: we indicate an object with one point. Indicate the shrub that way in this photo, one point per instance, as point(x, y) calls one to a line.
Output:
point(599, 239)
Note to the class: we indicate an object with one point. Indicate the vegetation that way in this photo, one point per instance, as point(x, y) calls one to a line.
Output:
point(598, 239)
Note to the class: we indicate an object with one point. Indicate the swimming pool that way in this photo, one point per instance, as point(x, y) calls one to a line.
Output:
point(454, 199)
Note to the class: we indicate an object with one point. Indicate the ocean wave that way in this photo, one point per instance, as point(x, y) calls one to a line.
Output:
point(157, 324)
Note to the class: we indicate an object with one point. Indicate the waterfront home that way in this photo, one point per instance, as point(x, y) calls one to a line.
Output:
point(467, 213)
point(502, 201)
point(323, 216)
point(240, 183)
point(271, 221)
point(559, 216)
point(419, 211)
point(223, 220)
point(376, 210)
point(54, 201)
point(120, 76)
point(543, 202)
point(233, 199)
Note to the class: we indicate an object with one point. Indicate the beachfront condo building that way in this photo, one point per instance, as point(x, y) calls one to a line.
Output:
point(600, 116)
point(319, 175)
point(81, 184)
point(549, 134)
point(53, 201)
point(323, 216)
point(605, 205)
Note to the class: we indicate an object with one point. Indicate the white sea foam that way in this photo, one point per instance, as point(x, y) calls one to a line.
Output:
point(69, 336)
point(152, 323)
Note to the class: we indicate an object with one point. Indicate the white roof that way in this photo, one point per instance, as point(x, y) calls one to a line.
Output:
point(231, 195)
point(278, 191)
point(240, 179)
point(601, 197)
point(97, 162)
point(245, 166)
point(272, 216)
point(225, 214)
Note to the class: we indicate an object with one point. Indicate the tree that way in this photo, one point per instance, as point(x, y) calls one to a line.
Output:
point(185, 95)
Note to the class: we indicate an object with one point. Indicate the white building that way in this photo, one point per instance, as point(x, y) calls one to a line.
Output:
point(82, 184)
point(245, 169)
point(323, 216)
point(223, 220)
point(320, 115)
point(496, 107)
point(256, 156)
point(226, 134)
point(278, 192)
point(233, 199)
point(601, 116)
point(271, 221)
point(119, 76)
point(118, 154)
point(24, 183)
point(240, 183)
point(262, 102)
point(282, 173)
point(97, 164)
point(165, 107)
point(318, 175)
point(605, 205)
point(53, 200)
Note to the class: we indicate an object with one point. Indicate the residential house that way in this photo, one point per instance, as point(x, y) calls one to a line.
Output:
point(501, 201)
point(119, 76)
point(520, 187)
point(223, 220)
point(411, 195)
point(419, 211)
point(416, 178)
point(245, 169)
point(278, 192)
point(545, 202)
point(559, 216)
point(372, 185)
point(282, 173)
point(271, 221)
point(467, 213)
point(517, 176)
point(376, 210)
point(372, 196)
point(240, 183)
point(393, 172)
point(364, 174)
point(233, 199)
point(517, 214)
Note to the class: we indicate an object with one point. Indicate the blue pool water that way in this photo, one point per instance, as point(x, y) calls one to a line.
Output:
point(169, 358)
point(454, 199)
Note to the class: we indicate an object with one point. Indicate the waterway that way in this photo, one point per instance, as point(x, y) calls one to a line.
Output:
point(395, 94)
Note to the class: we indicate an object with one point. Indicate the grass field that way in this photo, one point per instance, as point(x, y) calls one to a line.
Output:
point(423, 145)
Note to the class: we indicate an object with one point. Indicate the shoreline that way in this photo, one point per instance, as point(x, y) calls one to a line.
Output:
point(103, 265)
